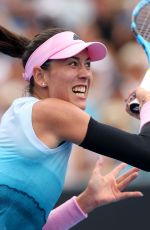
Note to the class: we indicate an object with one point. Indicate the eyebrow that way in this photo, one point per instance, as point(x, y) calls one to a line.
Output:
point(78, 59)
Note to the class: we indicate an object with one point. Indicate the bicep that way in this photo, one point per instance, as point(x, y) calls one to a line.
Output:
point(65, 120)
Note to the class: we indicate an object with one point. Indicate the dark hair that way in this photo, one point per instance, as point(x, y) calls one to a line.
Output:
point(19, 46)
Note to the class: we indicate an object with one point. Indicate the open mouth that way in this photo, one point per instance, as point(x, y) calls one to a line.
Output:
point(79, 90)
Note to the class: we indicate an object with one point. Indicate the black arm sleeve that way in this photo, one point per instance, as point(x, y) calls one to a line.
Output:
point(133, 149)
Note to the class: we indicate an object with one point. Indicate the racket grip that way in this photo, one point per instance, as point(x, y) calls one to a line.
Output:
point(134, 106)
point(145, 84)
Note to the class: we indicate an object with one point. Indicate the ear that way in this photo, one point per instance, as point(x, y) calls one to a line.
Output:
point(39, 76)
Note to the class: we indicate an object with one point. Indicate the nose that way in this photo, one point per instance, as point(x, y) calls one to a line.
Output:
point(85, 73)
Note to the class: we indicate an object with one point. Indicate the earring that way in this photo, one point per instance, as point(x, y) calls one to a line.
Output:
point(43, 84)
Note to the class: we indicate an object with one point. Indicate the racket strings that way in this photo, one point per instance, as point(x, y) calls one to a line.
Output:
point(143, 22)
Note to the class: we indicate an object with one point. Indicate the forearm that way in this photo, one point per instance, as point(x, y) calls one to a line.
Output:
point(145, 114)
point(65, 216)
point(130, 148)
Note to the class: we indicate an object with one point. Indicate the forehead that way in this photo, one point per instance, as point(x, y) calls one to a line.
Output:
point(82, 54)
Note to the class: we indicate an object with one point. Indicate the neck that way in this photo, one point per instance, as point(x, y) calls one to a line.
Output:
point(40, 93)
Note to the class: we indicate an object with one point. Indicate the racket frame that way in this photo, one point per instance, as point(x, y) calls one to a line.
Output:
point(134, 105)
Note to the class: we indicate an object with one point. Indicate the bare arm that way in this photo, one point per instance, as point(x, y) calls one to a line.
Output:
point(64, 121)
point(61, 119)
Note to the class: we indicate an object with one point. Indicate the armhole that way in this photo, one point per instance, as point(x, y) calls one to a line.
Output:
point(26, 122)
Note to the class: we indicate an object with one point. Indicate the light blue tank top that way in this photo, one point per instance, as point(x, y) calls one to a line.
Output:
point(27, 164)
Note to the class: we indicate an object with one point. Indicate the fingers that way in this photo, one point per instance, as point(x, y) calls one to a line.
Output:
point(130, 98)
point(125, 182)
point(98, 165)
point(126, 195)
point(118, 169)
point(128, 173)
point(142, 94)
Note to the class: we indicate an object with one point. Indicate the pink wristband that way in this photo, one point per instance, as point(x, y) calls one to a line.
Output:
point(65, 216)
point(145, 114)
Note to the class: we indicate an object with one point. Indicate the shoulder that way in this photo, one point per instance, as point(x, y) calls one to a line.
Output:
point(23, 102)
point(20, 106)
point(60, 117)
point(55, 108)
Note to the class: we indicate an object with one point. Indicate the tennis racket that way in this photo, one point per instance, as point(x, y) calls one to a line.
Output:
point(140, 26)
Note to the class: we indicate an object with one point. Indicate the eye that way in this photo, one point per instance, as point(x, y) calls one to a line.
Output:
point(73, 63)
point(88, 64)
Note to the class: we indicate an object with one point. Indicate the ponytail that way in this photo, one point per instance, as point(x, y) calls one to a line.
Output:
point(18, 46)
point(12, 44)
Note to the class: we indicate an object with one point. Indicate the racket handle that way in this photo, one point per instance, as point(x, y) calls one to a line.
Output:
point(145, 84)
point(134, 106)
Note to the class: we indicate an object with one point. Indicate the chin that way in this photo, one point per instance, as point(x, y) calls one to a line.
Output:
point(81, 106)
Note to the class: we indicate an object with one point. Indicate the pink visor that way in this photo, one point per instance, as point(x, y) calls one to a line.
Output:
point(60, 46)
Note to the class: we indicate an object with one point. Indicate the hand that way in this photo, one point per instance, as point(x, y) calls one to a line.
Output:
point(103, 190)
point(130, 98)
point(142, 95)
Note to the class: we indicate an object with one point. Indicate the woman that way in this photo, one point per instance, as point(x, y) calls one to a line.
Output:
point(37, 132)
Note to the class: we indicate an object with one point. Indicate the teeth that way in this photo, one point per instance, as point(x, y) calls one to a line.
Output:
point(80, 94)
point(79, 89)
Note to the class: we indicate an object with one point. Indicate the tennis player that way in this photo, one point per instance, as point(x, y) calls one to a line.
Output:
point(37, 132)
